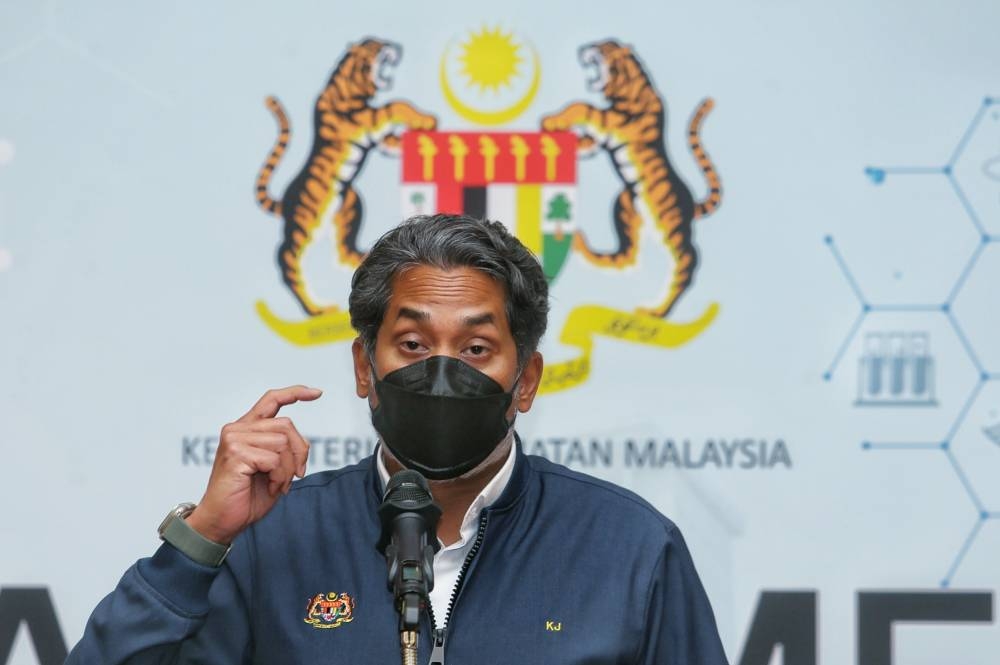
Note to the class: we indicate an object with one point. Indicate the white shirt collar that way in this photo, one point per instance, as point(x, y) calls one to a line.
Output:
point(486, 498)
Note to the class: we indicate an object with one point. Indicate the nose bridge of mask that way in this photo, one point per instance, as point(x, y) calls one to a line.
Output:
point(451, 376)
point(443, 376)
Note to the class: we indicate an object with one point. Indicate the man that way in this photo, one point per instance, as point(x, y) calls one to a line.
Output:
point(539, 564)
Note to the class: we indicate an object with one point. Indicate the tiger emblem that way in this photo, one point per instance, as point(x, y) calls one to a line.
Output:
point(630, 130)
point(346, 128)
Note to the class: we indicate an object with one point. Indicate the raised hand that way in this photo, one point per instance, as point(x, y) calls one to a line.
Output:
point(257, 457)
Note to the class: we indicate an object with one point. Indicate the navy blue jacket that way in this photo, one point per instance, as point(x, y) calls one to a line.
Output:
point(571, 570)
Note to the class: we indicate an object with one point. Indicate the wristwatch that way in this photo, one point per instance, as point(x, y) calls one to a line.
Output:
point(175, 530)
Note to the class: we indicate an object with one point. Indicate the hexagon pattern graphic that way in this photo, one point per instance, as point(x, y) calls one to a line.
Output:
point(896, 343)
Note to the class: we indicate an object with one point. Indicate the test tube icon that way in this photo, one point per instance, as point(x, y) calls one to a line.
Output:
point(896, 369)
point(922, 366)
point(897, 364)
point(870, 371)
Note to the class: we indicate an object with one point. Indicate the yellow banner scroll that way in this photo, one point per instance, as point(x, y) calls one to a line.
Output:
point(582, 325)
point(332, 326)
point(588, 320)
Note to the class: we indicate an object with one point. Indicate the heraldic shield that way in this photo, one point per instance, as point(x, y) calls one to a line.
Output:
point(525, 180)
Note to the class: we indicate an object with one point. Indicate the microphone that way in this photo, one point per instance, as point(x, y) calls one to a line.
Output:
point(409, 518)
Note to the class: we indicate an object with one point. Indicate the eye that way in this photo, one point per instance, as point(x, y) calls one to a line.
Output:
point(411, 345)
point(477, 350)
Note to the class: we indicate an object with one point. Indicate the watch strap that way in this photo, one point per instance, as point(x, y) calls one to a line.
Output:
point(192, 544)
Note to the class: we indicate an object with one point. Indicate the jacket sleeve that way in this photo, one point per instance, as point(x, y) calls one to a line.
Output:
point(680, 625)
point(169, 609)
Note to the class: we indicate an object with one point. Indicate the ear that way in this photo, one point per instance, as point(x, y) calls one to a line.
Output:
point(362, 369)
point(531, 378)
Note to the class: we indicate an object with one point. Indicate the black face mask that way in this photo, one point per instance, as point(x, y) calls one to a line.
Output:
point(440, 416)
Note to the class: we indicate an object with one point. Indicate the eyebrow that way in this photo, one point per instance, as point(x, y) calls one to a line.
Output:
point(478, 319)
point(408, 313)
point(468, 321)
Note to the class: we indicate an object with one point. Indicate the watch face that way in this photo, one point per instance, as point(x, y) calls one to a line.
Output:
point(181, 510)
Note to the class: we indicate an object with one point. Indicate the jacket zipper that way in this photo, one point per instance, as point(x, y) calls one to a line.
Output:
point(441, 634)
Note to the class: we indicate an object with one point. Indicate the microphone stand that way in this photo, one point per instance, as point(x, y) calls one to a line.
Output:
point(411, 582)
point(408, 646)
point(409, 519)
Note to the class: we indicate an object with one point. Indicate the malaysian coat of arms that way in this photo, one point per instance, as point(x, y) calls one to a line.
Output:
point(526, 180)
point(329, 610)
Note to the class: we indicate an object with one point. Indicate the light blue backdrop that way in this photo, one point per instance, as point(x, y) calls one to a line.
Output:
point(132, 253)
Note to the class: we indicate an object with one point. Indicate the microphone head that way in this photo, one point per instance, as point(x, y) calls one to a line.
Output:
point(408, 488)
point(408, 492)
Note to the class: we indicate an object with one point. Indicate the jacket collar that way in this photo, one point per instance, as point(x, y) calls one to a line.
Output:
point(511, 494)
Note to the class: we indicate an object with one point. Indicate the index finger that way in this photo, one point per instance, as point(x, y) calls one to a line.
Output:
point(272, 401)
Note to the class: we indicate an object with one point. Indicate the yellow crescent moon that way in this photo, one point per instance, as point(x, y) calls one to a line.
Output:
point(499, 116)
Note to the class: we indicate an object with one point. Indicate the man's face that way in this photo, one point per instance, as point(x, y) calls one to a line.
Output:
point(458, 313)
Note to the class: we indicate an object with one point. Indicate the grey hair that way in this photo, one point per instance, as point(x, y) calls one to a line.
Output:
point(447, 242)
